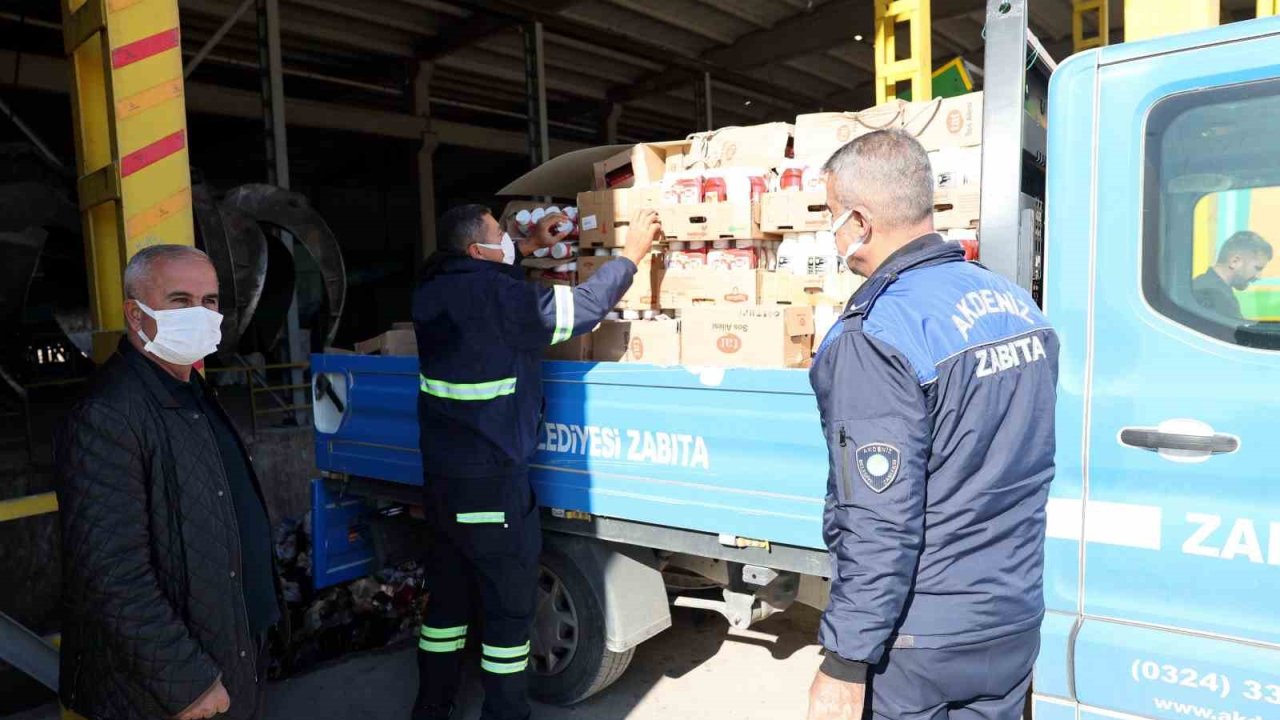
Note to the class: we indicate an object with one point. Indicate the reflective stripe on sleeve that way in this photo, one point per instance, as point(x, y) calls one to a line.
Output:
point(467, 391)
point(482, 518)
point(564, 313)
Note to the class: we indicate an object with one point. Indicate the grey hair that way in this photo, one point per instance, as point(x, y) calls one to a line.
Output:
point(138, 272)
point(889, 172)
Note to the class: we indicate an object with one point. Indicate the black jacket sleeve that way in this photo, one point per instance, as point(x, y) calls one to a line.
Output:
point(538, 316)
point(878, 437)
point(102, 495)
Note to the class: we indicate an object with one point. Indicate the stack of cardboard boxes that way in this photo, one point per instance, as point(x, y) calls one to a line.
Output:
point(748, 274)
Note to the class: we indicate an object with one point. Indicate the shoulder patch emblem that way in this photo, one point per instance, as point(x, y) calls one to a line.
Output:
point(878, 465)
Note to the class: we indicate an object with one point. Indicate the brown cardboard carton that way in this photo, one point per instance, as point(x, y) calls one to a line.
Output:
point(946, 122)
point(702, 285)
point(710, 221)
point(642, 295)
point(784, 288)
point(639, 165)
point(819, 135)
point(605, 215)
point(785, 212)
point(656, 342)
point(391, 342)
point(762, 336)
point(957, 208)
point(755, 146)
point(575, 348)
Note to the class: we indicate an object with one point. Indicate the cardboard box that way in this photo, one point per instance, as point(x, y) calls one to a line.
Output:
point(700, 285)
point(957, 208)
point(710, 221)
point(819, 135)
point(639, 165)
point(642, 295)
point(764, 336)
point(605, 215)
point(656, 342)
point(784, 288)
point(955, 168)
point(575, 348)
point(786, 212)
point(391, 342)
point(946, 122)
point(755, 146)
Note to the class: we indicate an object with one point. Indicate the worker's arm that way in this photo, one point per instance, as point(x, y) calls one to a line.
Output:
point(104, 508)
point(539, 316)
point(878, 435)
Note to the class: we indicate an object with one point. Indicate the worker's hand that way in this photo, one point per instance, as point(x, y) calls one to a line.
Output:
point(644, 231)
point(214, 701)
point(544, 232)
point(832, 699)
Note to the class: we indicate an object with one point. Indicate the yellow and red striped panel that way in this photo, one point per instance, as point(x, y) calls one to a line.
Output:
point(151, 124)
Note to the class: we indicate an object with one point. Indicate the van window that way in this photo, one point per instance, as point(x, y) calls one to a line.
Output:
point(1211, 229)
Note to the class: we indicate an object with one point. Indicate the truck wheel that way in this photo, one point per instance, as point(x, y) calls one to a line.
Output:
point(569, 657)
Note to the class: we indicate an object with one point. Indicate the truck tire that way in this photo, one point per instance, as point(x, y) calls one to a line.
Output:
point(569, 656)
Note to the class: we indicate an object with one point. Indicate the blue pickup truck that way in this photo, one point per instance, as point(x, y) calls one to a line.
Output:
point(1163, 552)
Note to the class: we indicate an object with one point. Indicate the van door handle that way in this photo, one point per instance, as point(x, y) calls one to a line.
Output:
point(1154, 439)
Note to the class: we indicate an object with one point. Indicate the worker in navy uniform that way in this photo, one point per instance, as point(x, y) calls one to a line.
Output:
point(936, 389)
point(482, 330)
point(1240, 262)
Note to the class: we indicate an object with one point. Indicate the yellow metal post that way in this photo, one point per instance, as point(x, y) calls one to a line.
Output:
point(1081, 9)
point(918, 67)
point(131, 141)
point(1144, 19)
point(1267, 8)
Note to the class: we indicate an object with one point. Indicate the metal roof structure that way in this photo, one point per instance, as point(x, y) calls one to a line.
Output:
point(767, 59)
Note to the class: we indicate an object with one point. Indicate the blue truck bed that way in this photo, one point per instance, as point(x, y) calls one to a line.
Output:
point(734, 451)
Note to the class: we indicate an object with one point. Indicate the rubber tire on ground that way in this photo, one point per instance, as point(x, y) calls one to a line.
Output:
point(594, 666)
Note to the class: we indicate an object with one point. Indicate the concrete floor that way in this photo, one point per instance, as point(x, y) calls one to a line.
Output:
point(697, 668)
point(697, 664)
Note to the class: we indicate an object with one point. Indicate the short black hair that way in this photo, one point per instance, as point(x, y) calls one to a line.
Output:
point(1242, 243)
point(461, 227)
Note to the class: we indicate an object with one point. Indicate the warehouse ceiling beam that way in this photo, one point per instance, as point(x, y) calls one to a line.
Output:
point(40, 72)
point(480, 25)
point(216, 38)
point(535, 83)
point(827, 26)
point(587, 33)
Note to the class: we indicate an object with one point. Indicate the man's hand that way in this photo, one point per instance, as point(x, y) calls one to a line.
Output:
point(214, 701)
point(645, 230)
point(832, 699)
point(544, 232)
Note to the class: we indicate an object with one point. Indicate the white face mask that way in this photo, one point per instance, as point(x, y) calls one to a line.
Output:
point(507, 246)
point(184, 335)
point(854, 246)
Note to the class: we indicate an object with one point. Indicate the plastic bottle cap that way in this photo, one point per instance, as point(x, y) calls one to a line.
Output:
point(720, 244)
point(601, 252)
point(553, 210)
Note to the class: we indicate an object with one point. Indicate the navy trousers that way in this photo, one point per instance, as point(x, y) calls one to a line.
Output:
point(482, 565)
point(983, 681)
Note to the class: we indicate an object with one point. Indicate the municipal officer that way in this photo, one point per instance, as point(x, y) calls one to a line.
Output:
point(481, 332)
point(936, 390)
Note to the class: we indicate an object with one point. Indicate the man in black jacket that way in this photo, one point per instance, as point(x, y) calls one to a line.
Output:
point(168, 578)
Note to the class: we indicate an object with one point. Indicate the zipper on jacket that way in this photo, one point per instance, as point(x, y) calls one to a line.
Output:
point(235, 520)
point(844, 467)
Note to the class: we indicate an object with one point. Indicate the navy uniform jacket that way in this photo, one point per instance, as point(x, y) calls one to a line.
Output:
point(482, 330)
point(936, 390)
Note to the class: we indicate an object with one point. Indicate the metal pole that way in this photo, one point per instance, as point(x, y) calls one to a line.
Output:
point(212, 42)
point(610, 115)
point(1002, 243)
point(535, 74)
point(277, 147)
point(702, 102)
point(28, 652)
point(426, 160)
point(31, 135)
